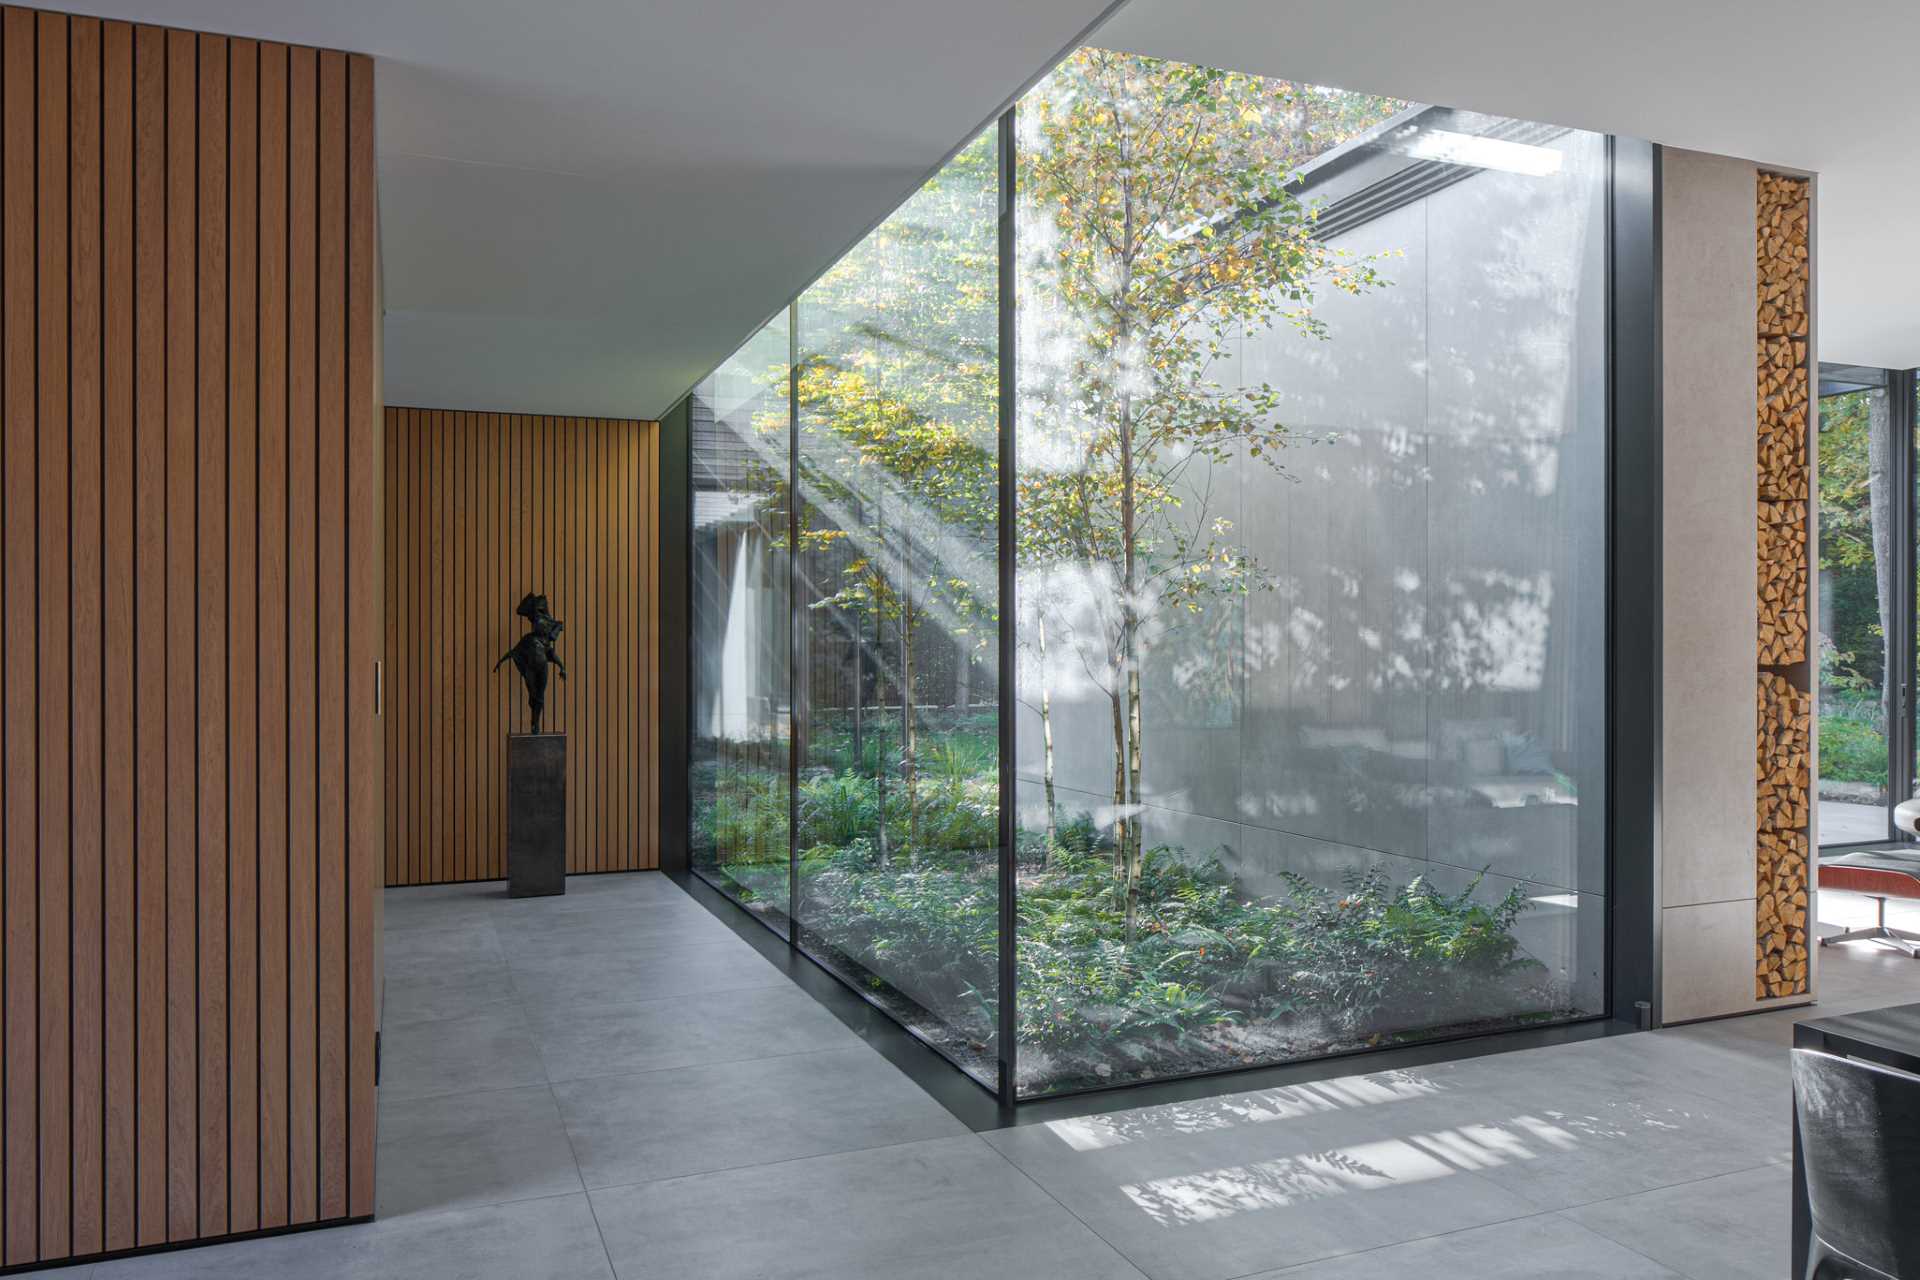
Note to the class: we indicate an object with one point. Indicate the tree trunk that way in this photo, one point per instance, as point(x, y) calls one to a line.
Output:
point(909, 742)
point(1127, 746)
point(1046, 738)
point(1120, 797)
point(1135, 843)
point(1128, 785)
point(1880, 510)
point(963, 674)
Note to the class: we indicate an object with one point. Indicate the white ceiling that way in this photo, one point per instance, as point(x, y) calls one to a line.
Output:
point(1781, 82)
point(585, 204)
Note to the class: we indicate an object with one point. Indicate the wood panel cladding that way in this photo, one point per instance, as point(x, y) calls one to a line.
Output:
point(1783, 754)
point(189, 819)
point(482, 508)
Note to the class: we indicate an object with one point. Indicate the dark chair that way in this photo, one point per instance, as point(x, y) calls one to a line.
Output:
point(1860, 1146)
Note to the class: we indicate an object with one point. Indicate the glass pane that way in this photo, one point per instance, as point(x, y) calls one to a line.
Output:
point(742, 626)
point(898, 385)
point(1311, 565)
point(1856, 525)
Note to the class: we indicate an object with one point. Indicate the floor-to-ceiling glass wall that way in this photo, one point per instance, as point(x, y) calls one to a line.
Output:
point(1859, 523)
point(1308, 700)
point(897, 395)
point(742, 688)
point(1312, 449)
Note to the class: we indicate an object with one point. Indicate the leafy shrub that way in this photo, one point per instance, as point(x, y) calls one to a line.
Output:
point(1207, 968)
point(1852, 749)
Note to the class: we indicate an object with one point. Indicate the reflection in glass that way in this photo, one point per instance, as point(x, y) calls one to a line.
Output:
point(1856, 565)
point(1311, 599)
point(1309, 546)
point(738, 763)
point(897, 386)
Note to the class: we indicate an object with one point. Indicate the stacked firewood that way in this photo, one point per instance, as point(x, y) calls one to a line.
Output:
point(1783, 753)
point(1782, 769)
point(1780, 967)
point(1783, 583)
point(1781, 380)
point(1781, 759)
point(1781, 275)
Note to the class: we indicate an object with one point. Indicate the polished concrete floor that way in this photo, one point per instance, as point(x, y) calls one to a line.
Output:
point(613, 1084)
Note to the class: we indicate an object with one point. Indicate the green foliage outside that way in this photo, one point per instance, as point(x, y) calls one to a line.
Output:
point(1212, 978)
point(1162, 199)
point(1853, 742)
point(1171, 229)
point(1854, 659)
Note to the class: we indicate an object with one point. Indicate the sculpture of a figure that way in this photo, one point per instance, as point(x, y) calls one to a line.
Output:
point(534, 654)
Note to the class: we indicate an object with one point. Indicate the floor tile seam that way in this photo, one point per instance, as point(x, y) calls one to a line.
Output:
point(1668, 1186)
point(473, 1205)
point(1625, 1244)
point(599, 1005)
point(674, 946)
point(395, 1221)
point(417, 928)
point(684, 1066)
point(411, 1098)
point(1198, 1167)
point(1068, 1209)
point(530, 970)
point(402, 972)
point(649, 920)
point(774, 1164)
point(1391, 1244)
point(579, 1174)
point(861, 1149)
point(613, 1268)
point(409, 1024)
point(773, 1057)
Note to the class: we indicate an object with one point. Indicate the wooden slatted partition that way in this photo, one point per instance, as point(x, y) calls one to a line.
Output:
point(191, 813)
point(480, 509)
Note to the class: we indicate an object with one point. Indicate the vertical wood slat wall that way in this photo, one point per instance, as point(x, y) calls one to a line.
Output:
point(480, 509)
point(189, 820)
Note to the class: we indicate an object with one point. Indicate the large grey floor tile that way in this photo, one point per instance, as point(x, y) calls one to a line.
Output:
point(445, 945)
point(1527, 1249)
point(727, 964)
point(472, 1149)
point(1732, 1227)
point(1710, 1059)
point(648, 926)
point(490, 1049)
point(529, 1240)
point(442, 906)
point(577, 1041)
point(666, 1124)
point(1564, 1128)
point(599, 892)
point(1207, 1201)
point(416, 996)
point(949, 1209)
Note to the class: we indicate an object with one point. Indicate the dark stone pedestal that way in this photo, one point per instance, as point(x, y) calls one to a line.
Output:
point(536, 814)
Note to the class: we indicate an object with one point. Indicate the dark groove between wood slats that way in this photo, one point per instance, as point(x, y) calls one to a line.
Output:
point(189, 494)
point(483, 507)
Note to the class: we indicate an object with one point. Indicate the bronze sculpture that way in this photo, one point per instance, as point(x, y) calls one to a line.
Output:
point(534, 653)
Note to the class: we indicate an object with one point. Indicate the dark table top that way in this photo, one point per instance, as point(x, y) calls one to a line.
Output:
point(1889, 1034)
